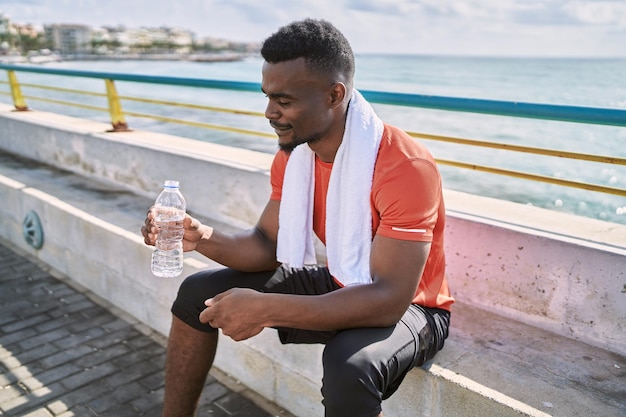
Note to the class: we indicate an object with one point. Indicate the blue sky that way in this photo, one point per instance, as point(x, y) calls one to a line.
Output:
point(465, 27)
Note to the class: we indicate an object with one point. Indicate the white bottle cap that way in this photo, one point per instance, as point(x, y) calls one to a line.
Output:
point(171, 184)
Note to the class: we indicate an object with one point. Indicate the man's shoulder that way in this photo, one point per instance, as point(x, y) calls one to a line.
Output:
point(397, 144)
point(394, 131)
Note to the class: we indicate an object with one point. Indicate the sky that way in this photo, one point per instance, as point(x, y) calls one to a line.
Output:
point(557, 28)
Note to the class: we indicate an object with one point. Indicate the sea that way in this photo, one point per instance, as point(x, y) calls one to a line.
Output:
point(594, 82)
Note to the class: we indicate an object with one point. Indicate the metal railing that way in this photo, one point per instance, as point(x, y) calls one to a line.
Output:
point(576, 114)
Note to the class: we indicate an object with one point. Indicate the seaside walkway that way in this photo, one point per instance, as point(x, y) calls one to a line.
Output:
point(537, 330)
point(66, 352)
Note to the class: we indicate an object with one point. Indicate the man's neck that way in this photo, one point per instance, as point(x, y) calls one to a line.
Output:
point(327, 148)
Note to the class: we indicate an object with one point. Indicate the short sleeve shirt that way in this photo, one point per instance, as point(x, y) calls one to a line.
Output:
point(406, 202)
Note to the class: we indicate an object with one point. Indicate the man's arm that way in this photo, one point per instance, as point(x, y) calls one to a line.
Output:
point(250, 250)
point(396, 267)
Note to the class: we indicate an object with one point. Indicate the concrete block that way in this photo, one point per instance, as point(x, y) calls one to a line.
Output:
point(502, 367)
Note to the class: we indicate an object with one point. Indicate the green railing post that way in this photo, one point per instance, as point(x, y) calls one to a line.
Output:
point(16, 92)
point(115, 108)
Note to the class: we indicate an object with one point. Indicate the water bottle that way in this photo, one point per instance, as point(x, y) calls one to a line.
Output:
point(169, 208)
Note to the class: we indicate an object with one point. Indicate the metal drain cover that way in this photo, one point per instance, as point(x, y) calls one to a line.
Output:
point(33, 231)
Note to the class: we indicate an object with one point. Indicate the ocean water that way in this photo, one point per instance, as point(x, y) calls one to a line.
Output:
point(582, 82)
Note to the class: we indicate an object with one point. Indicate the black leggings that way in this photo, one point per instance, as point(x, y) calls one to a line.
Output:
point(362, 366)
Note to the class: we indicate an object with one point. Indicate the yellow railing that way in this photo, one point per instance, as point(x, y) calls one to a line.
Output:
point(530, 150)
point(117, 114)
point(612, 117)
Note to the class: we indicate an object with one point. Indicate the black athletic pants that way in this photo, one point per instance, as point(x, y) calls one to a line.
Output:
point(362, 366)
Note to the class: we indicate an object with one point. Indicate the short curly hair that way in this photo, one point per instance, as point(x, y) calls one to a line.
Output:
point(322, 45)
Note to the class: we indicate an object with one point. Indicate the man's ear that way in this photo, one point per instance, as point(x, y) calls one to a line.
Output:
point(337, 94)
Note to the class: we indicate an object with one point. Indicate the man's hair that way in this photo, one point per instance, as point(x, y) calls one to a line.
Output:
point(322, 45)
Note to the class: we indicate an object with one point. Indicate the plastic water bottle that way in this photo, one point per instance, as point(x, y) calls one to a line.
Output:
point(169, 207)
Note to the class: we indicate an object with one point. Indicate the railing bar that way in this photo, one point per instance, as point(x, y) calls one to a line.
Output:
point(562, 113)
point(65, 90)
point(194, 106)
point(163, 118)
point(202, 124)
point(152, 101)
point(535, 177)
point(68, 103)
point(576, 114)
point(151, 79)
point(526, 149)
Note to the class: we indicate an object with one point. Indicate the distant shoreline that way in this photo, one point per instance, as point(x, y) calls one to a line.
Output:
point(232, 56)
point(211, 57)
point(208, 57)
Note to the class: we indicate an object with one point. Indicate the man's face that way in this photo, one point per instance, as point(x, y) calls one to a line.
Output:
point(298, 103)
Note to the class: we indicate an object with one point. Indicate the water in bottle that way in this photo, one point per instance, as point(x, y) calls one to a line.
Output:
point(169, 208)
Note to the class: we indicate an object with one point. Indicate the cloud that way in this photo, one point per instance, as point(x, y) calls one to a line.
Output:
point(493, 27)
point(384, 7)
point(609, 13)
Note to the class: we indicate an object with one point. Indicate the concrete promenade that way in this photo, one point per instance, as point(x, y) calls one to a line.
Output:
point(66, 353)
point(538, 329)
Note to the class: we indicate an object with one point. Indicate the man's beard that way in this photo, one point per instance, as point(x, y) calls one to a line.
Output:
point(288, 147)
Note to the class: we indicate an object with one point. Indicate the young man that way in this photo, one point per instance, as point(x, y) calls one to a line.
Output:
point(371, 193)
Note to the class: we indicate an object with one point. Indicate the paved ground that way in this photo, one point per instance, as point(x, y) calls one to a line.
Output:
point(64, 352)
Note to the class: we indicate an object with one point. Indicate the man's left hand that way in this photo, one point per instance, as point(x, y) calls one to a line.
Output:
point(238, 312)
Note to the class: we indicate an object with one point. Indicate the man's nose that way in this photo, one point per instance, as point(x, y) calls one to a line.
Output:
point(271, 111)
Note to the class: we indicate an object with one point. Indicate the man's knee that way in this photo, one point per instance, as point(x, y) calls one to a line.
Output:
point(195, 286)
point(189, 302)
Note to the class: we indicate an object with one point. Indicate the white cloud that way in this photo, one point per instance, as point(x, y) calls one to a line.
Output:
point(494, 27)
point(609, 13)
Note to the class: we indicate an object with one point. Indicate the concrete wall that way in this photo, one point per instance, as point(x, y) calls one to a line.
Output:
point(522, 262)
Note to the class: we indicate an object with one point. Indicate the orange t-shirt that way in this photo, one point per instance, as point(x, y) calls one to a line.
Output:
point(406, 201)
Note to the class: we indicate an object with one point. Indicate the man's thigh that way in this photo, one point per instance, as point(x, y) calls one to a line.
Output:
point(383, 356)
point(199, 287)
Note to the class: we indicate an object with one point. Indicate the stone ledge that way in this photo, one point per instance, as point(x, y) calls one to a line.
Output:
point(484, 370)
point(525, 370)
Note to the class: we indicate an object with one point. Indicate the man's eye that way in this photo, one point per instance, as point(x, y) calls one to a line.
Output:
point(283, 103)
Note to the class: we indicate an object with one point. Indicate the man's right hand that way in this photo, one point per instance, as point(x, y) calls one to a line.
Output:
point(195, 231)
point(250, 250)
point(149, 229)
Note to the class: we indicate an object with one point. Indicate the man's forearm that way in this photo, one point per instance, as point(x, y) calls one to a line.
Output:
point(245, 251)
point(355, 306)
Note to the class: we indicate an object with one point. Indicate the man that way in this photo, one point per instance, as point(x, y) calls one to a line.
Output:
point(371, 193)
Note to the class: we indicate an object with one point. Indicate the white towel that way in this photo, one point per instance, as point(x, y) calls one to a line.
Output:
point(348, 211)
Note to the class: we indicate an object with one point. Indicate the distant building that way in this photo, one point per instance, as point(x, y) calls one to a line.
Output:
point(159, 40)
point(26, 30)
point(7, 34)
point(68, 39)
point(5, 23)
point(78, 39)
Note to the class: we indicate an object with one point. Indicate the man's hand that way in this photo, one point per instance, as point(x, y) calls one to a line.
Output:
point(194, 231)
point(238, 312)
point(149, 229)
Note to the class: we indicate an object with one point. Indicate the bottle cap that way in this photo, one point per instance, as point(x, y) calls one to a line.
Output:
point(171, 184)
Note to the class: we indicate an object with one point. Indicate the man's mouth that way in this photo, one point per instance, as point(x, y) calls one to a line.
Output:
point(279, 128)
